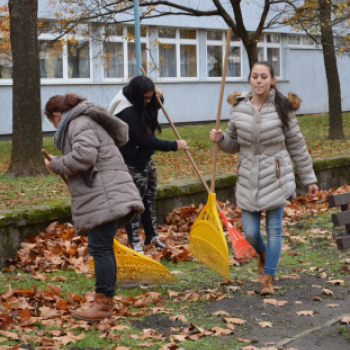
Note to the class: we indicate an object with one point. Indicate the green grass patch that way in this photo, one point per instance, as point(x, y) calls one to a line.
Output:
point(23, 192)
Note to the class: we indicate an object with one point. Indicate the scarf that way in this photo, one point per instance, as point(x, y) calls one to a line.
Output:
point(58, 138)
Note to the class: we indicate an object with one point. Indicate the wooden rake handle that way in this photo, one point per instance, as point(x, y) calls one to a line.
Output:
point(48, 157)
point(218, 117)
point(179, 138)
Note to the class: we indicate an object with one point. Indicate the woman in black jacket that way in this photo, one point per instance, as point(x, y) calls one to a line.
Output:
point(137, 106)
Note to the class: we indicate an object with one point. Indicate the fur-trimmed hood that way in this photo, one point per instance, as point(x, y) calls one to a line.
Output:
point(116, 128)
point(234, 98)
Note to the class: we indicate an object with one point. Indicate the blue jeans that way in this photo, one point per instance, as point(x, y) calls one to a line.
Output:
point(251, 226)
point(100, 246)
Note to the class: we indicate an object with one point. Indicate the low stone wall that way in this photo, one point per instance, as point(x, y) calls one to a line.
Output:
point(332, 172)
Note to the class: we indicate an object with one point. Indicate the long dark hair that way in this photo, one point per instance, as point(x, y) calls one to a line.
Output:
point(134, 92)
point(62, 104)
point(283, 106)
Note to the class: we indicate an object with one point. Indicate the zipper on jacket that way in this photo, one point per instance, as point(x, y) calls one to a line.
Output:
point(238, 166)
point(278, 171)
point(258, 118)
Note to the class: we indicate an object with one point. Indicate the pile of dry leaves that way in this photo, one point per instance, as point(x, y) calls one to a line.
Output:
point(59, 248)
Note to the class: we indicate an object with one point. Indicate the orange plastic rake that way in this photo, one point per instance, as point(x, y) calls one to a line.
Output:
point(132, 266)
point(243, 249)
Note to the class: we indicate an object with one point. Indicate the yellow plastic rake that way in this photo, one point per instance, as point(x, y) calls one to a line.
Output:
point(136, 267)
point(207, 240)
point(132, 266)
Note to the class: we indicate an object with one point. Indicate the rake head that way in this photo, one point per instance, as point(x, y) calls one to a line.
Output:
point(242, 248)
point(133, 267)
point(207, 240)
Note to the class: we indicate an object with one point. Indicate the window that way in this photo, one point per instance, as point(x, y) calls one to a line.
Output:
point(177, 53)
point(119, 52)
point(50, 57)
point(216, 43)
point(114, 57)
point(269, 49)
point(298, 40)
point(5, 67)
point(79, 59)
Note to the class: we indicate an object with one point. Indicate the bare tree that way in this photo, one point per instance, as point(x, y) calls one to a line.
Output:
point(319, 18)
point(106, 11)
point(26, 157)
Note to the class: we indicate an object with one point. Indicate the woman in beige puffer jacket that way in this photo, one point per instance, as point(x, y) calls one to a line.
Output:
point(263, 128)
point(104, 196)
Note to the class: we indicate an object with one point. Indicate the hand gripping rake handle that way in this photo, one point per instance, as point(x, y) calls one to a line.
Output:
point(218, 117)
point(48, 157)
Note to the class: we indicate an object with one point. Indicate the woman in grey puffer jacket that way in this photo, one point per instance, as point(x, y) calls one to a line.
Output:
point(260, 123)
point(104, 196)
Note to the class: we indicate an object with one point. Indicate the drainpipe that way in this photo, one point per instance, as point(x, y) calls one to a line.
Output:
point(137, 37)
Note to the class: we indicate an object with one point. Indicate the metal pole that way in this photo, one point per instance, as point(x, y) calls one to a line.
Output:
point(137, 37)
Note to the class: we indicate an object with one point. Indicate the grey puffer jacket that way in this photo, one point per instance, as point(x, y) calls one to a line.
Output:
point(265, 177)
point(100, 185)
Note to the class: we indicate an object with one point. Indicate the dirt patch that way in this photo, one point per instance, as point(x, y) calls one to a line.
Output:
point(161, 324)
point(286, 324)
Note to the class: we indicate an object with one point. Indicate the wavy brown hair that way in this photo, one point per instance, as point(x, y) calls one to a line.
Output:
point(62, 104)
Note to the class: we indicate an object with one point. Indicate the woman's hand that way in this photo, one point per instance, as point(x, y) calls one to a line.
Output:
point(313, 190)
point(158, 93)
point(215, 135)
point(182, 145)
point(48, 164)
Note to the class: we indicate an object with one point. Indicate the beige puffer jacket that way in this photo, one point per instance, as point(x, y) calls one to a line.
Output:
point(265, 177)
point(100, 185)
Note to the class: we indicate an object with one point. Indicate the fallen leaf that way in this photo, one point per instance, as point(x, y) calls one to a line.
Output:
point(345, 320)
point(275, 302)
point(176, 272)
point(332, 305)
point(337, 282)
point(218, 331)
point(265, 324)
point(234, 320)
point(317, 298)
point(243, 340)
point(305, 313)
point(221, 313)
point(179, 318)
point(326, 291)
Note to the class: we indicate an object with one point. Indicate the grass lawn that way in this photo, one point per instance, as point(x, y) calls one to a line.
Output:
point(19, 192)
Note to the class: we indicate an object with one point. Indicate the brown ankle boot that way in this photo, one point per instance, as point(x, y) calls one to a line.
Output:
point(267, 285)
point(261, 262)
point(100, 309)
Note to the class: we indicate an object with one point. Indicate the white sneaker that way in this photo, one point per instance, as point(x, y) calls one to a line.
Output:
point(137, 247)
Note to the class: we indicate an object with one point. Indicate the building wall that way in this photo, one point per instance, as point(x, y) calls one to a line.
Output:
point(302, 72)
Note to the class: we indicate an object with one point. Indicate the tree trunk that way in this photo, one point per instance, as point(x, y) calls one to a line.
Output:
point(251, 47)
point(27, 141)
point(330, 61)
